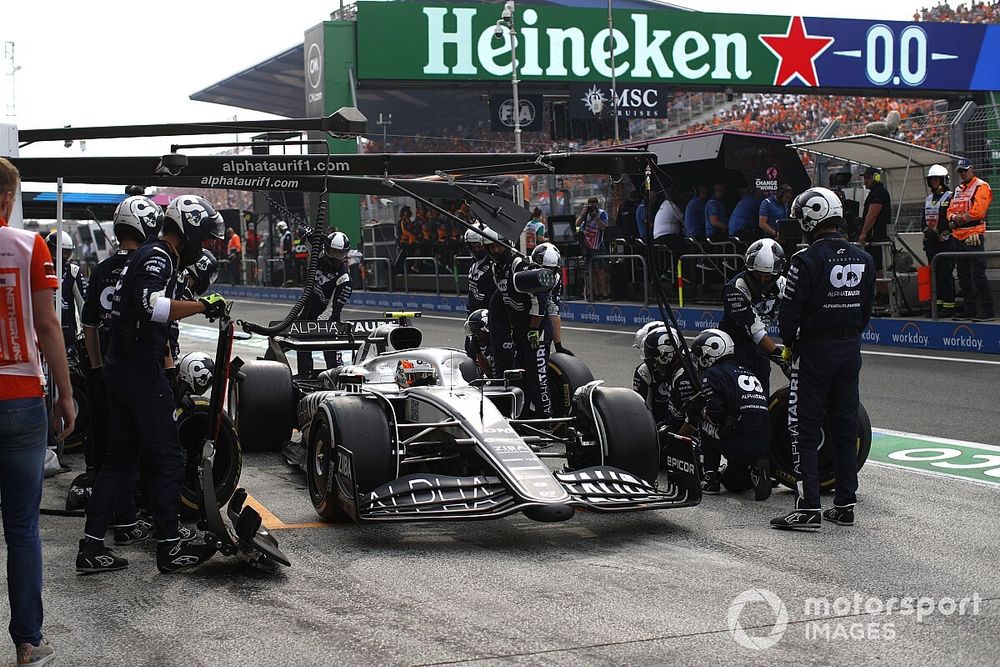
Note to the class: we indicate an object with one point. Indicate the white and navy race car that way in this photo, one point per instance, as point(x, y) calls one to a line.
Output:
point(405, 433)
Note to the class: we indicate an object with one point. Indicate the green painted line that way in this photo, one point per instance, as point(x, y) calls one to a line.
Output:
point(970, 461)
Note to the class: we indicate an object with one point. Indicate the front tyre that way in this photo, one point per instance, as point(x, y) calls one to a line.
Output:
point(619, 421)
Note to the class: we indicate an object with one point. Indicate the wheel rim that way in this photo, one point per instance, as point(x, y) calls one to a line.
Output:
point(321, 460)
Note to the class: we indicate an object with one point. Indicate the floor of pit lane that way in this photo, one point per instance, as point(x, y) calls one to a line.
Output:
point(645, 588)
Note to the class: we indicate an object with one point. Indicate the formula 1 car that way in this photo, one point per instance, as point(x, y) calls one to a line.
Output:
point(409, 433)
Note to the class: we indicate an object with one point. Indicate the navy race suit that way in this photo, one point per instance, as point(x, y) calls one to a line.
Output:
point(481, 284)
point(140, 399)
point(333, 290)
point(682, 390)
point(653, 384)
point(477, 350)
point(735, 423)
point(826, 306)
point(748, 312)
point(74, 290)
point(519, 308)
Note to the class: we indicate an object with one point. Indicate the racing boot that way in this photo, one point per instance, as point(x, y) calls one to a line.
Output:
point(94, 557)
point(132, 533)
point(183, 532)
point(711, 484)
point(760, 476)
point(842, 516)
point(798, 520)
point(176, 555)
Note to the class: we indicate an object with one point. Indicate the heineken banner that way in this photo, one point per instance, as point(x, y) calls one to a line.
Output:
point(457, 42)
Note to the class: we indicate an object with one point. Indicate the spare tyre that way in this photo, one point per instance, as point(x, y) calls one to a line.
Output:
point(192, 429)
point(566, 374)
point(266, 406)
point(782, 463)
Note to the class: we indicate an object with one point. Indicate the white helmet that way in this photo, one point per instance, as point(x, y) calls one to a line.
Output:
point(765, 256)
point(546, 255)
point(939, 171)
point(281, 227)
point(139, 214)
point(195, 369)
point(710, 346)
point(337, 245)
point(65, 242)
point(816, 206)
point(643, 331)
point(196, 220)
point(474, 236)
point(658, 347)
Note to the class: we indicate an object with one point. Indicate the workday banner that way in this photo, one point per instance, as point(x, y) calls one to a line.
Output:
point(925, 335)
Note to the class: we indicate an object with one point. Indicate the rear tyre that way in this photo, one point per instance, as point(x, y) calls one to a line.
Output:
point(629, 431)
point(266, 414)
point(782, 463)
point(566, 375)
point(359, 425)
point(192, 429)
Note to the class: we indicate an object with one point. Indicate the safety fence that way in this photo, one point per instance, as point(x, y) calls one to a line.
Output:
point(967, 256)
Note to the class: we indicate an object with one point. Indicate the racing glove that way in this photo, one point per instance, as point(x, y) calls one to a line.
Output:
point(779, 358)
point(975, 240)
point(563, 350)
point(215, 306)
point(534, 338)
point(694, 408)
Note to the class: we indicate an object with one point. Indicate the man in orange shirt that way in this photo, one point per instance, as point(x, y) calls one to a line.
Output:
point(234, 253)
point(967, 219)
point(27, 305)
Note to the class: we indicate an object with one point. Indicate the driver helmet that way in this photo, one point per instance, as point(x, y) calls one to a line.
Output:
point(710, 346)
point(643, 331)
point(337, 245)
point(660, 347)
point(546, 255)
point(478, 324)
point(196, 221)
point(195, 370)
point(138, 217)
point(415, 373)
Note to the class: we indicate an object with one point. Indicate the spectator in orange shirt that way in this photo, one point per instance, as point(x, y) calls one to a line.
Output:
point(234, 253)
point(29, 326)
point(967, 219)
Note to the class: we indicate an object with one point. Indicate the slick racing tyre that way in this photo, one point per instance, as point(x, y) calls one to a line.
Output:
point(266, 406)
point(629, 431)
point(81, 401)
point(192, 428)
point(359, 425)
point(566, 375)
point(782, 466)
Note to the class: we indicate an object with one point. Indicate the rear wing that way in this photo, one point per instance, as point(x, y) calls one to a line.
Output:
point(326, 335)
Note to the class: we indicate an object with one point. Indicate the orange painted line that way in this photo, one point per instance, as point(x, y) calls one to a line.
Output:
point(270, 521)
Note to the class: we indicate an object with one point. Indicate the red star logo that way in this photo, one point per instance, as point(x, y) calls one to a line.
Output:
point(797, 53)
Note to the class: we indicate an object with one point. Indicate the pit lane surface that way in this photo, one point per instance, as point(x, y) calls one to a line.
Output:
point(643, 588)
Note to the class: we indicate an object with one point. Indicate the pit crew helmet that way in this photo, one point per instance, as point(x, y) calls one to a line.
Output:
point(139, 217)
point(939, 171)
point(816, 206)
point(195, 371)
point(643, 331)
point(281, 227)
point(65, 242)
point(202, 274)
point(710, 346)
point(478, 322)
point(766, 256)
point(337, 245)
point(660, 346)
point(546, 255)
point(196, 221)
point(415, 373)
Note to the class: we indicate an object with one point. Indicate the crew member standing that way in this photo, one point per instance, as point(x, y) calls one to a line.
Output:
point(333, 290)
point(750, 304)
point(547, 256)
point(234, 253)
point(140, 398)
point(967, 219)
point(826, 306)
point(876, 217)
point(481, 284)
point(284, 250)
point(74, 288)
point(937, 237)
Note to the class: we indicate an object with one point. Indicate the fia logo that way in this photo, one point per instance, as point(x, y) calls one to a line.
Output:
point(846, 275)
